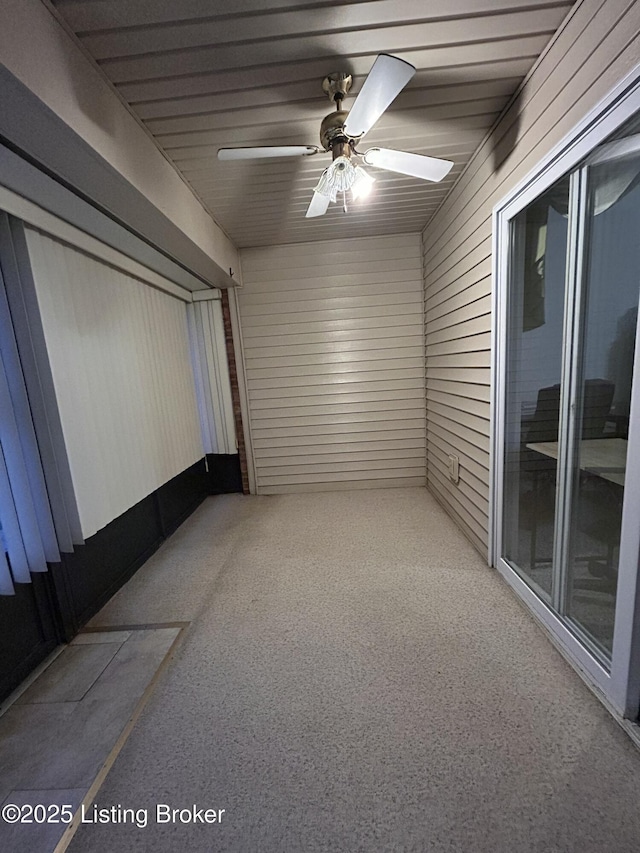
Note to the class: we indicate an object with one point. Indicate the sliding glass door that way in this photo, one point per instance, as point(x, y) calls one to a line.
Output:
point(571, 315)
point(533, 383)
point(598, 427)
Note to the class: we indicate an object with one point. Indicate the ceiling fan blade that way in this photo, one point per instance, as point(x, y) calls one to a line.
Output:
point(318, 206)
point(266, 151)
point(416, 165)
point(387, 78)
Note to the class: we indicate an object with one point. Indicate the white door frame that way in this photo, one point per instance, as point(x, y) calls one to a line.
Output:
point(620, 686)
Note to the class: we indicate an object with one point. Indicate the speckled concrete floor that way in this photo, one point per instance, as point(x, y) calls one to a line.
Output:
point(356, 679)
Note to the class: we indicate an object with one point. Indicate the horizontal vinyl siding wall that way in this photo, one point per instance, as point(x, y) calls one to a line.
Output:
point(334, 354)
point(597, 46)
point(121, 365)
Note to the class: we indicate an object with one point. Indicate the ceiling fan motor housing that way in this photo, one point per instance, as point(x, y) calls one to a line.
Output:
point(332, 129)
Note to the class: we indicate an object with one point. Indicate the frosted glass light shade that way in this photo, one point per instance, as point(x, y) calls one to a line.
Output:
point(337, 178)
point(362, 185)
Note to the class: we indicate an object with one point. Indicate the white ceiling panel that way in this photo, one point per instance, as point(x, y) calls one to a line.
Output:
point(206, 74)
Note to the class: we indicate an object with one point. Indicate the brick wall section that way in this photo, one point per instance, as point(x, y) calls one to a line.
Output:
point(235, 393)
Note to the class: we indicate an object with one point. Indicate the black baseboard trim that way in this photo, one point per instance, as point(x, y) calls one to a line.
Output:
point(86, 579)
point(225, 476)
point(178, 498)
point(14, 678)
point(57, 604)
point(27, 631)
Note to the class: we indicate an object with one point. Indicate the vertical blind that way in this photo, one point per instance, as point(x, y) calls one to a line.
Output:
point(121, 366)
point(39, 517)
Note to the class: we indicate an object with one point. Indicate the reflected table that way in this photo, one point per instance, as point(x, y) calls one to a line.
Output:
point(603, 457)
point(600, 457)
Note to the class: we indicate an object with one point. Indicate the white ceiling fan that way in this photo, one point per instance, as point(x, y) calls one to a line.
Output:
point(342, 130)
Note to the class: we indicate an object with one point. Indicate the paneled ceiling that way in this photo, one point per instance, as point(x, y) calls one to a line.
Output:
point(205, 74)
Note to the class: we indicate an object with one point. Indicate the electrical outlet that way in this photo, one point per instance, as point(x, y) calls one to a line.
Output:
point(454, 468)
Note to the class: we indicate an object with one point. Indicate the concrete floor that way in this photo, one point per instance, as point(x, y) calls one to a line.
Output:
point(59, 732)
point(354, 678)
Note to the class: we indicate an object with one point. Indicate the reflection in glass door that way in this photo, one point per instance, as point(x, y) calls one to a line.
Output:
point(572, 311)
point(603, 369)
point(533, 383)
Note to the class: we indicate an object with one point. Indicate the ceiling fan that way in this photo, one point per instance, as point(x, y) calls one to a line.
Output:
point(342, 130)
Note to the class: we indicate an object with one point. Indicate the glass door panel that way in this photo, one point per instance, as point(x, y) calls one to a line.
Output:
point(602, 376)
point(534, 361)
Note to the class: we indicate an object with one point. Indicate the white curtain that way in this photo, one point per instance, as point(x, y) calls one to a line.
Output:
point(211, 369)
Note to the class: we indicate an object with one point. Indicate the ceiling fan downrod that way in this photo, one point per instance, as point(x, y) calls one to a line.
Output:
point(337, 85)
point(332, 135)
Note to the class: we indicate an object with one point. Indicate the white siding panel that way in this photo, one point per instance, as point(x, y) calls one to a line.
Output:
point(475, 326)
point(339, 281)
point(378, 407)
point(343, 269)
point(313, 382)
point(464, 404)
point(355, 448)
point(315, 443)
point(121, 365)
point(470, 391)
point(333, 347)
point(339, 391)
point(356, 459)
point(348, 485)
point(593, 51)
point(334, 355)
point(330, 427)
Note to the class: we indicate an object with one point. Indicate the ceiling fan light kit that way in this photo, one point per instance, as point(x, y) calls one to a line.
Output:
point(341, 177)
point(363, 183)
point(341, 131)
point(338, 178)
